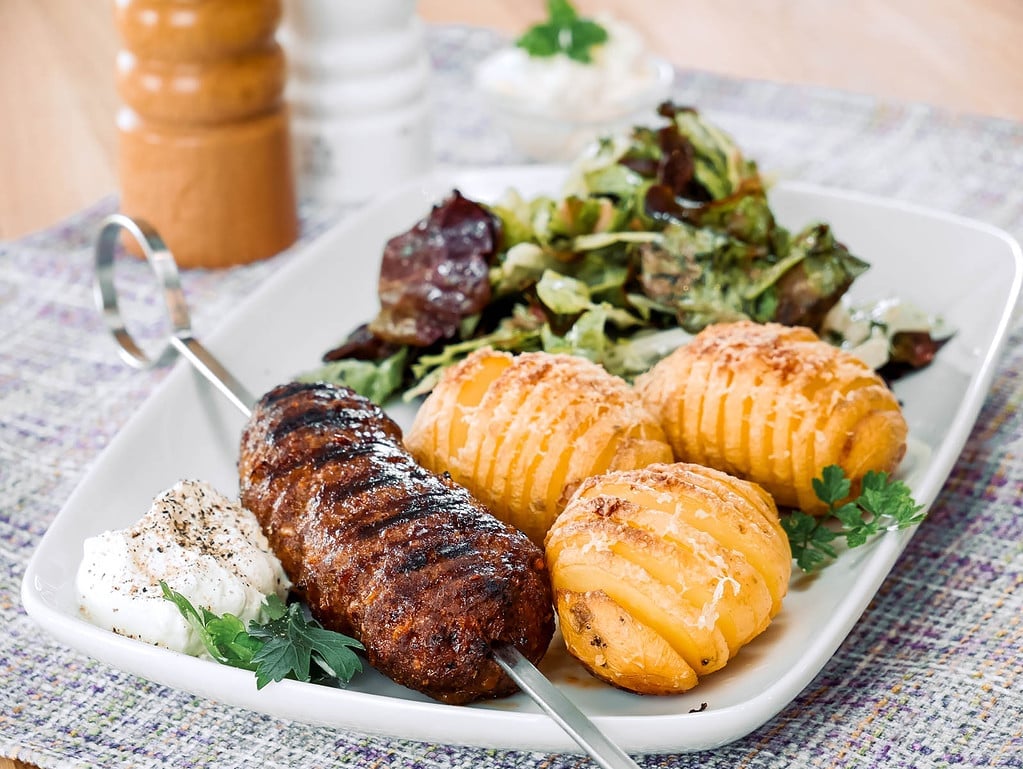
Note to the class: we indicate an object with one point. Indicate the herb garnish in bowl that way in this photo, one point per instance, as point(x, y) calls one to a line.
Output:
point(564, 31)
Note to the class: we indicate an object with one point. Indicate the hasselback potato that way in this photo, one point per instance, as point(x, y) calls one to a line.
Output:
point(662, 574)
point(776, 405)
point(520, 432)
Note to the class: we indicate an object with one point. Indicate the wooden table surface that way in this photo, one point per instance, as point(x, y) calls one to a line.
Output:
point(57, 97)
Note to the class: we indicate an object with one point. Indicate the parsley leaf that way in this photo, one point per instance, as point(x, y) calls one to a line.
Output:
point(882, 505)
point(809, 541)
point(284, 643)
point(293, 642)
point(564, 32)
point(224, 637)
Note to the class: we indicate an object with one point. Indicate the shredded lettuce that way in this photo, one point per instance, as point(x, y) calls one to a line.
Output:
point(657, 233)
point(376, 380)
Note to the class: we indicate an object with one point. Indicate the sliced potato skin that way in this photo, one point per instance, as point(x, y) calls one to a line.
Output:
point(662, 574)
point(789, 406)
point(521, 431)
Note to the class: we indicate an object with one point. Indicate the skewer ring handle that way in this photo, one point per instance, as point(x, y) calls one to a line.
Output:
point(166, 270)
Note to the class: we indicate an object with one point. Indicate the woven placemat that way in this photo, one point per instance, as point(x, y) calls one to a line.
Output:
point(931, 676)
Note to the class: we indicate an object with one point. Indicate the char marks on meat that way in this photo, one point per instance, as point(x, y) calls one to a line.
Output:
point(380, 548)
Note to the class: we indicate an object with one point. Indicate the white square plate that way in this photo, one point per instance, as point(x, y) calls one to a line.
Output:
point(966, 271)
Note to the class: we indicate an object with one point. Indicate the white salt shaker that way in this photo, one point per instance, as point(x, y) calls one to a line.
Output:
point(358, 94)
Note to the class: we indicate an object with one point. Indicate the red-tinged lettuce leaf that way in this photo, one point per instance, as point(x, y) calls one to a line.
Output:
point(910, 350)
point(436, 274)
point(362, 344)
point(819, 271)
point(689, 159)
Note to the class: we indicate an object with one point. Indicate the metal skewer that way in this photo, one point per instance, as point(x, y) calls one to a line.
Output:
point(548, 697)
point(180, 341)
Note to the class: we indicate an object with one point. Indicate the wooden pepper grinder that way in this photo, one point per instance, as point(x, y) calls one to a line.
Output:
point(204, 139)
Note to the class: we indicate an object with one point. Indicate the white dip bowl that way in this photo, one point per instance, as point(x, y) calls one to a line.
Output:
point(553, 106)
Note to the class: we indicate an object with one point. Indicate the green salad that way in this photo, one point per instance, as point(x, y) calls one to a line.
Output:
point(656, 234)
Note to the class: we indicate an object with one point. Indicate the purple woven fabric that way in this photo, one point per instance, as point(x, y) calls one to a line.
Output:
point(931, 676)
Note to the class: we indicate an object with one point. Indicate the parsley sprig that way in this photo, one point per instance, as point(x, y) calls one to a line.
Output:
point(283, 643)
point(565, 31)
point(883, 505)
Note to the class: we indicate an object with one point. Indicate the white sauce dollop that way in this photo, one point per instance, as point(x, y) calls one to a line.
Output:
point(203, 545)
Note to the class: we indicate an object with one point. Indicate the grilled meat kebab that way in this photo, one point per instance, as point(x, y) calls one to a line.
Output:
point(384, 550)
